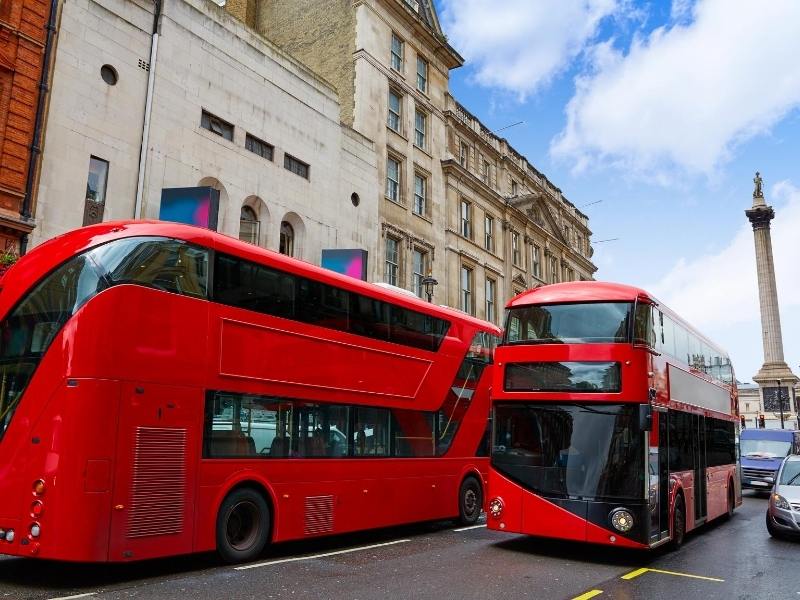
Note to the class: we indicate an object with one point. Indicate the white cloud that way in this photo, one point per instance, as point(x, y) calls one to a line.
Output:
point(520, 45)
point(685, 95)
point(718, 293)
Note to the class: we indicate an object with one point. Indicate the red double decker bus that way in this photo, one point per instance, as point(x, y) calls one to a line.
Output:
point(614, 421)
point(165, 390)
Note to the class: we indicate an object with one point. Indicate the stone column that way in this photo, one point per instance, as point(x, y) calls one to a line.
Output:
point(774, 373)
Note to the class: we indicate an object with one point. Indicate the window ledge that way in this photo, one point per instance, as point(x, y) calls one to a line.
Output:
point(397, 133)
point(423, 217)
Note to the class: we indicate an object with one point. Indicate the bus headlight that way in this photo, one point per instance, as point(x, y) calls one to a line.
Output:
point(495, 508)
point(39, 487)
point(10, 535)
point(622, 519)
point(35, 530)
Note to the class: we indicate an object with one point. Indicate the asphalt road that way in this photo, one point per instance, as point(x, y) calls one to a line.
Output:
point(733, 559)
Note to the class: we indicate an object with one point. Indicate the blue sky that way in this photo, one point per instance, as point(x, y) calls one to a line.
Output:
point(664, 111)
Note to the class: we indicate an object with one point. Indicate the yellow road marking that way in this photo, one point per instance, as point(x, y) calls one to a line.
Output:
point(589, 594)
point(638, 572)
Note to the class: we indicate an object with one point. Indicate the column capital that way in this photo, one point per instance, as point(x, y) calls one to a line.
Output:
point(760, 217)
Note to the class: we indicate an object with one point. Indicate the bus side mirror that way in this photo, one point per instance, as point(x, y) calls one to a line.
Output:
point(645, 417)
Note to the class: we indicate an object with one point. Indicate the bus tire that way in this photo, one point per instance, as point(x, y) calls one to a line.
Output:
point(678, 523)
point(731, 501)
point(470, 501)
point(243, 524)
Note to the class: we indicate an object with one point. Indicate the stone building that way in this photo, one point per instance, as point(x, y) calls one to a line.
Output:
point(390, 61)
point(229, 110)
point(23, 38)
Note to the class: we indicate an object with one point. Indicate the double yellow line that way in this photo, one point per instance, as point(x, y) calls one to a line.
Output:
point(642, 571)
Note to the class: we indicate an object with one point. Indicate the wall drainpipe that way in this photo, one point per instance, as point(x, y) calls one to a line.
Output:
point(148, 107)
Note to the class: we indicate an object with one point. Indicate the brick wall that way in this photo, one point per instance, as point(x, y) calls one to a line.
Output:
point(22, 37)
point(321, 35)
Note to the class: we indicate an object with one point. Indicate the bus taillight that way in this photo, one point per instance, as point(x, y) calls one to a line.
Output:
point(39, 487)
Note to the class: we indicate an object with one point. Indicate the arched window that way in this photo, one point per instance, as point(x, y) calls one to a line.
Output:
point(249, 225)
point(287, 239)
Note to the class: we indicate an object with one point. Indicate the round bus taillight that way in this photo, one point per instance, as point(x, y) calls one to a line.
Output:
point(37, 508)
point(39, 487)
point(495, 508)
point(36, 530)
point(622, 519)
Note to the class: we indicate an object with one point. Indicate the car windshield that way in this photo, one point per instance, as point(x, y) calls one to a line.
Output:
point(790, 474)
point(571, 450)
point(587, 323)
point(765, 448)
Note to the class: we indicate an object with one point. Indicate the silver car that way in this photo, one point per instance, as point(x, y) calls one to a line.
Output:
point(783, 512)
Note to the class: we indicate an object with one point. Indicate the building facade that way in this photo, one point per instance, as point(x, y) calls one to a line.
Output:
point(751, 407)
point(455, 201)
point(229, 111)
point(23, 38)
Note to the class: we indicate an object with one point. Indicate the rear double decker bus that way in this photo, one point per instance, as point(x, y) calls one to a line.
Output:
point(165, 389)
point(614, 420)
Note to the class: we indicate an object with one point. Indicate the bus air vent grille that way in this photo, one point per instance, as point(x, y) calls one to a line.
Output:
point(159, 482)
point(319, 515)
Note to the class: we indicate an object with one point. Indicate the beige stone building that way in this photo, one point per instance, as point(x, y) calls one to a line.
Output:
point(454, 200)
point(229, 110)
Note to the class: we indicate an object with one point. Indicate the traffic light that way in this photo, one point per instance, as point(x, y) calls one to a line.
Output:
point(761, 423)
point(744, 421)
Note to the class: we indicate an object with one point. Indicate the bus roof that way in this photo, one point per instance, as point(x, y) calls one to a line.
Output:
point(580, 291)
point(48, 255)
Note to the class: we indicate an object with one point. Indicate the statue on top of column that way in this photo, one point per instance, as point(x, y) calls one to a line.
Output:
point(758, 192)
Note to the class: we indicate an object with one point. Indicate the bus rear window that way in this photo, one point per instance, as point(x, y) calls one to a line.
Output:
point(588, 323)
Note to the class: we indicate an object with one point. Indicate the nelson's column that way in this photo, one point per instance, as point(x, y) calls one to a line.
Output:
point(775, 379)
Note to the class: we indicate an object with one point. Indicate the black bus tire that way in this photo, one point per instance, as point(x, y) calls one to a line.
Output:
point(470, 501)
point(243, 524)
point(678, 523)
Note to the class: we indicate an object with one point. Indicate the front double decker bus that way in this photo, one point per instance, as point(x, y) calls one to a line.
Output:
point(614, 420)
point(165, 389)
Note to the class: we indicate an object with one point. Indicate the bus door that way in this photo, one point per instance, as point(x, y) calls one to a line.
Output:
point(658, 497)
point(700, 472)
point(155, 479)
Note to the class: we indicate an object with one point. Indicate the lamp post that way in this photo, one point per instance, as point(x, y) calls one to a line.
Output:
point(427, 283)
point(780, 401)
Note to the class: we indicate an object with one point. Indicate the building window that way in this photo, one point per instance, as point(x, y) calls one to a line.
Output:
point(486, 172)
point(488, 230)
point(420, 126)
point(463, 156)
point(420, 194)
point(287, 239)
point(567, 235)
point(397, 53)
point(491, 293)
point(95, 203)
point(298, 167)
point(216, 125)
point(395, 110)
point(249, 226)
point(513, 188)
point(466, 290)
point(392, 261)
point(422, 75)
point(393, 179)
point(419, 260)
point(466, 219)
point(553, 270)
point(260, 147)
point(537, 261)
point(515, 254)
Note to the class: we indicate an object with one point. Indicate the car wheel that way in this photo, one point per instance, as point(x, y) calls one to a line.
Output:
point(773, 531)
point(243, 525)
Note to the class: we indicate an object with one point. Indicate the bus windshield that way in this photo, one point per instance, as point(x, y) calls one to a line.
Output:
point(576, 451)
point(587, 323)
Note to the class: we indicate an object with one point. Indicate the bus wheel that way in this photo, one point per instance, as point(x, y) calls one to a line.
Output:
point(678, 523)
point(242, 525)
point(470, 501)
point(731, 501)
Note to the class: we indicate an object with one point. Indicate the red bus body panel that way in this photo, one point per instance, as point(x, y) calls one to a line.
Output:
point(135, 363)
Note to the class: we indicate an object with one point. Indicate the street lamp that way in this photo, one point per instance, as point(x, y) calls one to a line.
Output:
point(780, 401)
point(428, 282)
